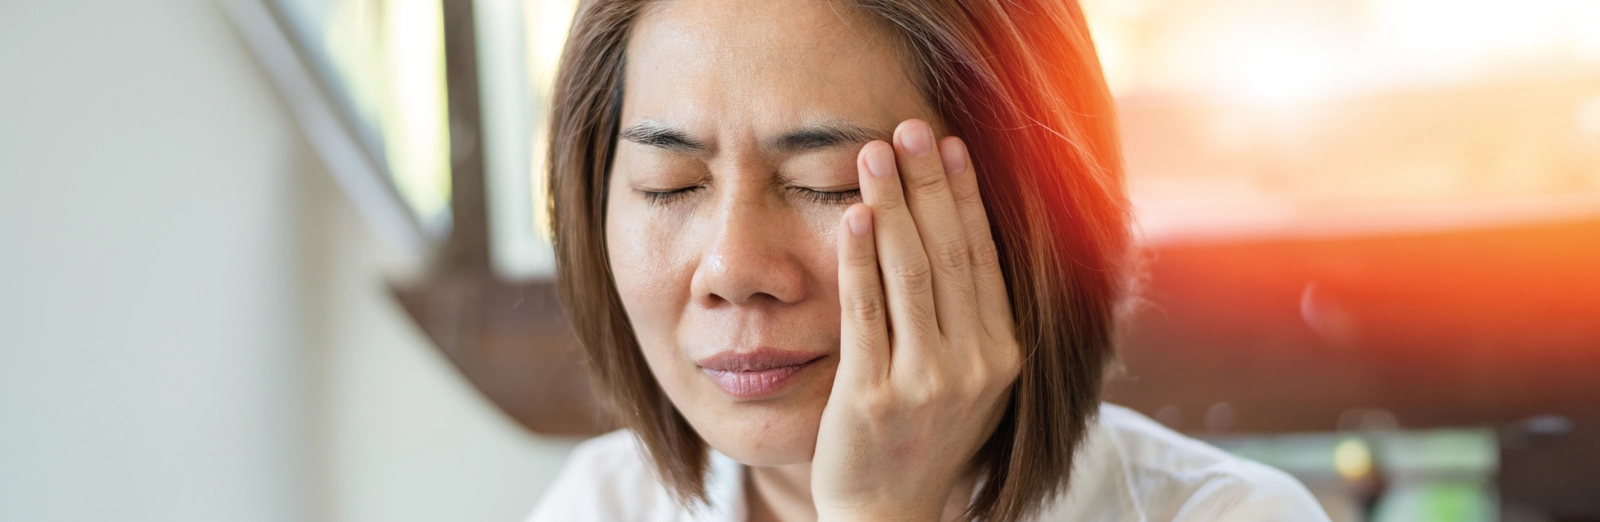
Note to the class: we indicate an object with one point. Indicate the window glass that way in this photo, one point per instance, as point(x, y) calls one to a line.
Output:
point(384, 63)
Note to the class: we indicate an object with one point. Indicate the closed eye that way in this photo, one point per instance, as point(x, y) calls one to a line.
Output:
point(825, 197)
point(840, 197)
point(667, 197)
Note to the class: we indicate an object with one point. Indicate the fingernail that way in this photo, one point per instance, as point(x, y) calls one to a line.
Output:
point(917, 138)
point(954, 153)
point(860, 223)
point(880, 161)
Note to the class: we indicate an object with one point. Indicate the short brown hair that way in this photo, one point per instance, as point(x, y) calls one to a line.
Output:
point(1019, 81)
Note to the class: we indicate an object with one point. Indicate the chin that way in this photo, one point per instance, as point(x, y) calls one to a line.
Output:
point(772, 432)
point(777, 446)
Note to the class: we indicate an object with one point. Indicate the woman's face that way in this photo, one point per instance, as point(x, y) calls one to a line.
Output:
point(741, 122)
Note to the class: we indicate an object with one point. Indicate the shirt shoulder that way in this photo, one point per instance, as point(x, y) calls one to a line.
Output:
point(606, 478)
point(1133, 468)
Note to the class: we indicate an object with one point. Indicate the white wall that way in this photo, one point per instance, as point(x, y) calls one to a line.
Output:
point(149, 349)
point(408, 439)
point(193, 322)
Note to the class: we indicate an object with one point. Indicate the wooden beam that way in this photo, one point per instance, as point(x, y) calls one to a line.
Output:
point(511, 340)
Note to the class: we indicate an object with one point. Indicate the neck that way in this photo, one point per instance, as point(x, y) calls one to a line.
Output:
point(779, 493)
point(783, 494)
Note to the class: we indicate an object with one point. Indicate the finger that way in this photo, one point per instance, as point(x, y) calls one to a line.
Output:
point(907, 278)
point(934, 209)
point(863, 324)
point(994, 302)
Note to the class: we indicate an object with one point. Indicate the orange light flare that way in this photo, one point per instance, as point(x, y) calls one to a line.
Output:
point(1389, 203)
point(1468, 327)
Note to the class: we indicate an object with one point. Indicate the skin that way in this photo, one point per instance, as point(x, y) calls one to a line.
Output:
point(746, 209)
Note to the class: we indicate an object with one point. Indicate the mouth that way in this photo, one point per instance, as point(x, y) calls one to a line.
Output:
point(758, 374)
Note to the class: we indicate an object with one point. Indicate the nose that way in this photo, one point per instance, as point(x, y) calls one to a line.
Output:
point(750, 260)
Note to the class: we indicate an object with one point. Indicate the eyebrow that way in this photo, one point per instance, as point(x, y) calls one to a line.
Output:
point(656, 134)
point(825, 135)
point(808, 138)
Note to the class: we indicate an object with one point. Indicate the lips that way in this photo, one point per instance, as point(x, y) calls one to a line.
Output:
point(757, 374)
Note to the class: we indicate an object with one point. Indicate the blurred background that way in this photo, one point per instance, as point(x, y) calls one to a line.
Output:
point(281, 259)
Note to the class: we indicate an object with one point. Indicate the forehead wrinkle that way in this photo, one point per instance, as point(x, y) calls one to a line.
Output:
point(726, 47)
point(735, 73)
point(824, 135)
point(661, 135)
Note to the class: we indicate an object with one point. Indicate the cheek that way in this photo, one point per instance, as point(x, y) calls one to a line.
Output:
point(652, 264)
point(822, 225)
point(653, 260)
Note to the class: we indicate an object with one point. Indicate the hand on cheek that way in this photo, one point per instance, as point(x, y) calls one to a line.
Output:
point(928, 347)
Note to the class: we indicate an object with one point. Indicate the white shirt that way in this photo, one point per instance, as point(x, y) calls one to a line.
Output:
point(1129, 468)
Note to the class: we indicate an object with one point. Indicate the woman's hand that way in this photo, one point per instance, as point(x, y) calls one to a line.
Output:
point(928, 349)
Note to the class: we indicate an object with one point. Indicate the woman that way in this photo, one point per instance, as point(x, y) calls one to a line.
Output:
point(806, 304)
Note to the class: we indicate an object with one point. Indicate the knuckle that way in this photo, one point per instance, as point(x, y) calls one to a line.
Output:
point(951, 254)
point(974, 385)
point(923, 323)
point(866, 310)
point(890, 202)
point(966, 193)
point(928, 183)
point(915, 275)
point(934, 390)
point(862, 257)
point(1008, 363)
point(979, 376)
point(985, 256)
point(996, 377)
point(999, 379)
point(877, 406)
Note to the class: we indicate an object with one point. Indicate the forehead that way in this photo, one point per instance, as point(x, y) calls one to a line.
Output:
point(712, 65)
